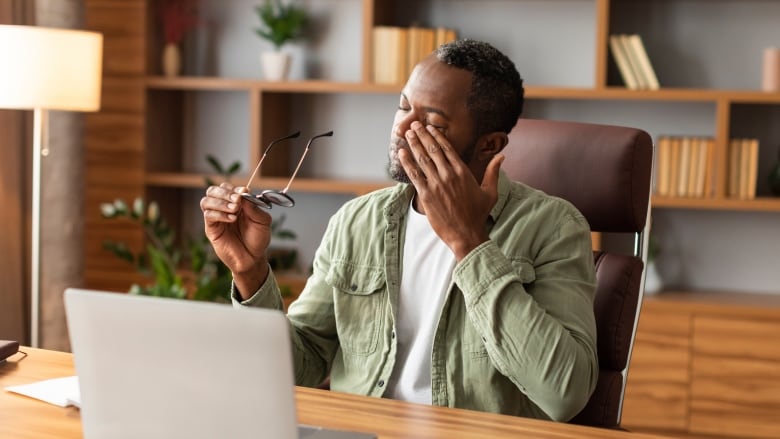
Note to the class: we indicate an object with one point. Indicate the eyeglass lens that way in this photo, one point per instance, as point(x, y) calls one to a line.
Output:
point(270, 197)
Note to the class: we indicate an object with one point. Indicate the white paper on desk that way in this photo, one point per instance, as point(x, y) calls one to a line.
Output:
point(58, 391)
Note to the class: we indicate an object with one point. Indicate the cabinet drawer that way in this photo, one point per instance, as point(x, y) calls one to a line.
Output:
point(735, 387)
point(657, 389)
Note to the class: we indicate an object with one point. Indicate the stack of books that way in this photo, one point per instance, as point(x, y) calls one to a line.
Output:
point(683, 166)
point(743, 168)
point(398, 49)
point(632, 62)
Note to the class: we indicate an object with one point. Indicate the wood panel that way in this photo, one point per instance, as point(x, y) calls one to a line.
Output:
point(736, 377)
point(114, 137)
point(15, 196)
point(657, 390)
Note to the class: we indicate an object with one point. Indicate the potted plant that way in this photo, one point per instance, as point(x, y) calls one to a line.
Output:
point(282, 23)
point(190, 270)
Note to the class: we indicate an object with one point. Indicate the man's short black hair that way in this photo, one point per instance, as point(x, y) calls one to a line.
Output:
point(496, 99)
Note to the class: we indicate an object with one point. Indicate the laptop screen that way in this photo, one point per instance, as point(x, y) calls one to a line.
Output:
point(161, 368)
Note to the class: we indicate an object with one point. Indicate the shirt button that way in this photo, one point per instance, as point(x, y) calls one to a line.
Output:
point(381, 383)
point(392, 334)
point(353, 287)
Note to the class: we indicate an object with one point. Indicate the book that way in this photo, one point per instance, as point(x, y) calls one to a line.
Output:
point(663, 161)
point(674, 165)
point(734, 166)
point(638, 54)
point(703, 152)
point(618, 50)
point(390, 57)
point(444, 35)
point(697, 146)
point(709, 168)
point(633, 61)
point(751, 145)
point(421, 42)
point(744, 169)
point(684, 169)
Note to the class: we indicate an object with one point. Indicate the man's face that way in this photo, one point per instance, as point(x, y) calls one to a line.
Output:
point(436, 94)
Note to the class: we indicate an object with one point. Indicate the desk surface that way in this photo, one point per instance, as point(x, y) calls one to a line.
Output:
point(22, 417)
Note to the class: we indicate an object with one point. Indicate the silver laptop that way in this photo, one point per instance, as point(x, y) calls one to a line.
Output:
point(165, 368)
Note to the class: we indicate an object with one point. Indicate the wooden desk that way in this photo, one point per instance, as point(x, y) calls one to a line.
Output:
point(22, 417)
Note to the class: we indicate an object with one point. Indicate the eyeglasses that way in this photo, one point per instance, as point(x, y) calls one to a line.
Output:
point(268, 197)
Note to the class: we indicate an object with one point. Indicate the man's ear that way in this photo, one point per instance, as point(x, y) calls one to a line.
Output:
point(492, 143)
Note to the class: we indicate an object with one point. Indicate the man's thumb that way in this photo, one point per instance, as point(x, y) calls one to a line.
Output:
point(490, 179)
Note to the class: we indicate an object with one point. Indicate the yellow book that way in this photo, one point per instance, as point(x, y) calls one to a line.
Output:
point(708, 168)
point(399, 57)
point(633, 61)
point(421, 42)
point(702, 165)
point(693, 166)
point(752, 147)
point(674, 166)
point(663, 161)
point(444, 35)
point(685, 160)
point(618, 50)
point(414, 54)
point(644, 66)
point(744, 169)
point(733, 177)
point(381, 46)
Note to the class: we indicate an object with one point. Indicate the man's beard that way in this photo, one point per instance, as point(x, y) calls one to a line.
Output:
point(396, 170)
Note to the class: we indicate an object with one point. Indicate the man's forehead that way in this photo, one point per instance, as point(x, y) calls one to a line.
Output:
point(438, 84)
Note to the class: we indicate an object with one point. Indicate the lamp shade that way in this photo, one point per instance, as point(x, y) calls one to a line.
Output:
point(52, 69)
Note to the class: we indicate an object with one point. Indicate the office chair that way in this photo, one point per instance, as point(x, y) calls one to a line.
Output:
point(605, 172)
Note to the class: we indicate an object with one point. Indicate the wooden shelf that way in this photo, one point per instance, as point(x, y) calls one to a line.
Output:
point(729, 303)
point(195, 83)
point(211, 83)
point(317, 185)
point(760, 204)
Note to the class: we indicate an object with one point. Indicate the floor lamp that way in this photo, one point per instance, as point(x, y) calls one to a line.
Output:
point(45, 69)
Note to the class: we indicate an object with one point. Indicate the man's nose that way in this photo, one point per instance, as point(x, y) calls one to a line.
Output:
point(404, 121)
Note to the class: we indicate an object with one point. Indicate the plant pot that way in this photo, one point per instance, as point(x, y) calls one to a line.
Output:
point(276, 65)
point(653, 282)
point(171, 60)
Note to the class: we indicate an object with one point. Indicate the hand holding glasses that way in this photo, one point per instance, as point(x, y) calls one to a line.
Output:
point(268, 197)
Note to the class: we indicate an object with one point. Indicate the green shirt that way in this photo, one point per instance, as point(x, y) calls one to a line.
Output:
point(517, 334)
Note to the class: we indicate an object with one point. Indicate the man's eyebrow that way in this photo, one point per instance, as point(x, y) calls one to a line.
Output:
point(429, 109)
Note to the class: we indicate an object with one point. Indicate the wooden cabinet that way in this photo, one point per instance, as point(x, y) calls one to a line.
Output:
point(706, 365)
point(153, 132)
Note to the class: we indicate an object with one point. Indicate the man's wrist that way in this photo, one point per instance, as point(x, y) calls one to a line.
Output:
point(247, 283)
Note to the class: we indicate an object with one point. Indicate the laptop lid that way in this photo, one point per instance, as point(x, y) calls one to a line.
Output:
point(162, 368)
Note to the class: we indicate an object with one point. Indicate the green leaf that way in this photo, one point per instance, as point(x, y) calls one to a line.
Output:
point(215, 164)
point(163, 272)
point(235, 167)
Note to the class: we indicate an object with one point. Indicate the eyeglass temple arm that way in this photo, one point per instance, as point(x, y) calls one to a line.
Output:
point(289, 183)
point(268, 148)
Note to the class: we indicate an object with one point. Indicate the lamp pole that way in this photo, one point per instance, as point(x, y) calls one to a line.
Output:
point(40, 117)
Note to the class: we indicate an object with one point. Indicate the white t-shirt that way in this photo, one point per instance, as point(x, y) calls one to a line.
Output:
point(425, 279)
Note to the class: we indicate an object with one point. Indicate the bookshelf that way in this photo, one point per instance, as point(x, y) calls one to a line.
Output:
point(144, 142)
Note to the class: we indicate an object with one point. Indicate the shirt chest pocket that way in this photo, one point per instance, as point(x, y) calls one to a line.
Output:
point(359, 294)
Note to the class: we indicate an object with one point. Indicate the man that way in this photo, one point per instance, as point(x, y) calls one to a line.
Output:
point(456, 287)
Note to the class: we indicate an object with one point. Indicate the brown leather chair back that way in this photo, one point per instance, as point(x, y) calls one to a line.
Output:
point(605, 172)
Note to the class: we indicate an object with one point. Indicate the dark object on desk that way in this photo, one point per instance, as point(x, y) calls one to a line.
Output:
point(8, 348)
point(605, 172)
